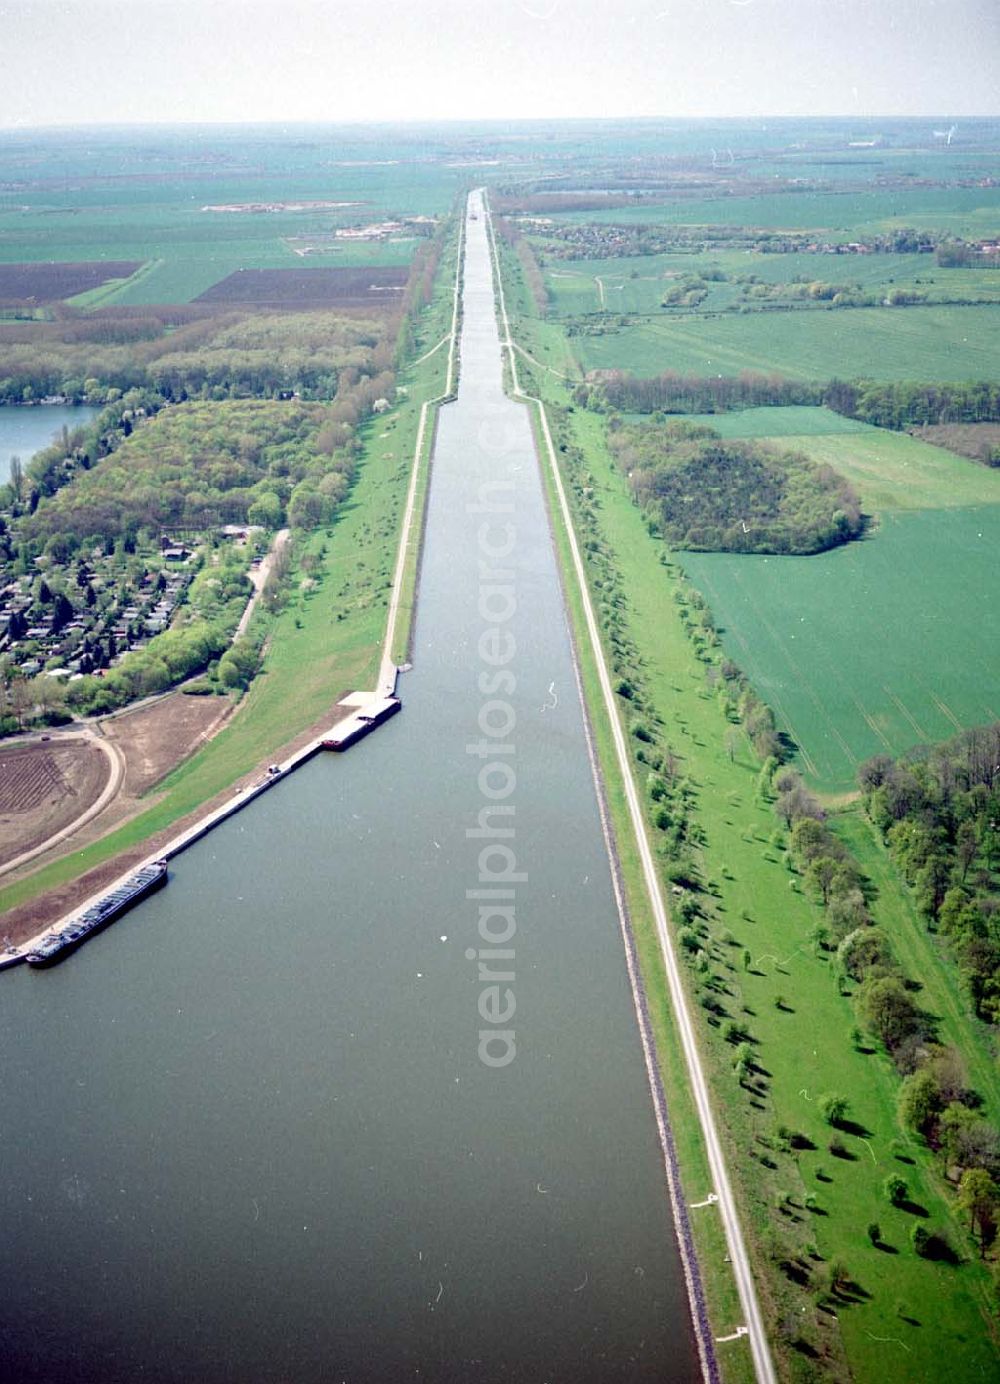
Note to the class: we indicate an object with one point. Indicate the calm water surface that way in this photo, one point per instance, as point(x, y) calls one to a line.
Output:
point(247, 1134)
point(25, 431)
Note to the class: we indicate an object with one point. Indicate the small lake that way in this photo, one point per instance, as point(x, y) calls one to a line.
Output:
point(25, 431)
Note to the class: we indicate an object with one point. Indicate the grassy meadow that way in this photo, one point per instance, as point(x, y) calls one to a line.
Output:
point(874, 647)
point(912, 343)
point(885, 643)
point(636, 284)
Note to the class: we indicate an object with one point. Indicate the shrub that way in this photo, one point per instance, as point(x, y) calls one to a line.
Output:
point(833, 1108)
point(895, 1189)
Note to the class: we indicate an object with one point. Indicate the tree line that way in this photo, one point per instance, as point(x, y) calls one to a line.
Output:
point(885, 404)
point(939, 812)
point(510, 234)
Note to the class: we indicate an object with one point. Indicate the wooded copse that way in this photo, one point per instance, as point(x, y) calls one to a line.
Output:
point(885, 404)
point(707, 494)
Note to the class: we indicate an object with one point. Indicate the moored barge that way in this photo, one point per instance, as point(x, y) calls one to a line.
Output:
point(97, 917)
point(352, 728)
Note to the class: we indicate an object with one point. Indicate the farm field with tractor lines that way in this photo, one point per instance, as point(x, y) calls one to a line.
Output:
point(926, 343)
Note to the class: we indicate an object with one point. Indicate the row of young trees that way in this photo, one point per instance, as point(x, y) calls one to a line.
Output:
point(671, 801)
point(939, 811)
point(935, 1101)
point(509, 232)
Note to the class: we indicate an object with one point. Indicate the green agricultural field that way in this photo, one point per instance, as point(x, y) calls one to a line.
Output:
point(874, 647)
point(926, 343)
point(636, 284)
point(781, 423)
point(808, 1192)
point(840, 214)
point(892, 470)
point(889, 642)
point(152, 209)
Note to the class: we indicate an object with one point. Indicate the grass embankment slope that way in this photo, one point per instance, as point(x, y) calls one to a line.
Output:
point(446, 349)
point(806, 1210)
point(327, 640)
point(838, 644)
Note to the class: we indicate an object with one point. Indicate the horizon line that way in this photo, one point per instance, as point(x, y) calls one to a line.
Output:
point(423, 121)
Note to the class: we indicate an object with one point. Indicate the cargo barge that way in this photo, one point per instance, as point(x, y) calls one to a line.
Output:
point(97, 917)
point(350, 730)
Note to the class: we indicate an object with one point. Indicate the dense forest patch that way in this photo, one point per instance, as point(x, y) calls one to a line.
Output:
point(196, 465)
point(708, 494)
point(228, 354)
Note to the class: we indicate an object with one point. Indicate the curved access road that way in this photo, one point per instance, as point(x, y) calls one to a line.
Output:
point(259, 578)
point(756, 1335)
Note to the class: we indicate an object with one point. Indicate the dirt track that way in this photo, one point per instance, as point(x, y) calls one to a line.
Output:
point(44, 787)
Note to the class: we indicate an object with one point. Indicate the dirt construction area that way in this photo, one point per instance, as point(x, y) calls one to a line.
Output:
point(151, 748)
point(44, 786)
point(156, 738)
point(47, 785)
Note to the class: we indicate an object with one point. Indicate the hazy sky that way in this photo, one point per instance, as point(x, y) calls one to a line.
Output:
point(121, 61)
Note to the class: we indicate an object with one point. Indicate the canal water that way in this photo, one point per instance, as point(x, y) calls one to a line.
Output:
point(249, 1133)
point(25, 431)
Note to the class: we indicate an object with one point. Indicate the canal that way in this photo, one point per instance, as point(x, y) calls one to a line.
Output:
point(360, 1096)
